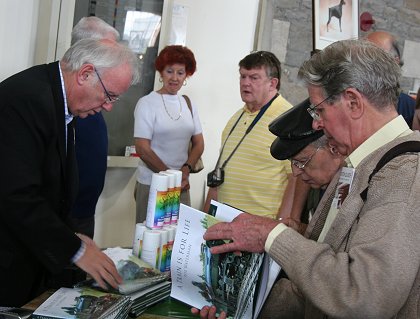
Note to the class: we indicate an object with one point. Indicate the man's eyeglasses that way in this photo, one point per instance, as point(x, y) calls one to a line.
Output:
point(109, 98)
point(302, 165)
point(312, 108)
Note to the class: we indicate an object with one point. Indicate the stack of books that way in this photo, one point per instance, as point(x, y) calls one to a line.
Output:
point(143, 299)
point(142, 287)
point(142, 283)
point(83, 303)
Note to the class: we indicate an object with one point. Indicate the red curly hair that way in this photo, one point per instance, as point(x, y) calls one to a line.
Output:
point(176, 54)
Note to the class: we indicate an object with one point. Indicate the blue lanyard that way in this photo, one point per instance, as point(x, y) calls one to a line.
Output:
point(257, 118)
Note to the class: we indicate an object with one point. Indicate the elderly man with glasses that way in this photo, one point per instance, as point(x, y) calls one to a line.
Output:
point(37, 165)
point(91, 139)
point(360, 256)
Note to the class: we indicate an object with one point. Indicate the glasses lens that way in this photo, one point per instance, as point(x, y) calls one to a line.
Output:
point(297, 164)
point(312, 112)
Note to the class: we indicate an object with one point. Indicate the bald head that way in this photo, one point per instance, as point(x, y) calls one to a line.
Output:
point(387, 42)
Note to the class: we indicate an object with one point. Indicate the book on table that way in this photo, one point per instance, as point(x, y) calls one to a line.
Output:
point(142, 283)
point(83, 303)
point(147, 297)
point(136, 273)
point(236, 284)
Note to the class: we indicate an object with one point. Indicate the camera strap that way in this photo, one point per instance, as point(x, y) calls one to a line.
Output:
point(250, 127)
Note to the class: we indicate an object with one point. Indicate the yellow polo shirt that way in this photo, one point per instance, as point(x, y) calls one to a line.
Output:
point(254, 180)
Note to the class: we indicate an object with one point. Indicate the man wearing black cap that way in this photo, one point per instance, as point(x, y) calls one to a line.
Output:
point(360, 255)
point(312, 160)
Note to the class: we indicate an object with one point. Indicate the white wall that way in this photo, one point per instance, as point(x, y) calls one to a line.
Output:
point(19, 19)
point(220, 33)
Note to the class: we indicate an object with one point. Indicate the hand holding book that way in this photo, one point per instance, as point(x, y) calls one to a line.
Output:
point(246, 232)
point(209, 312)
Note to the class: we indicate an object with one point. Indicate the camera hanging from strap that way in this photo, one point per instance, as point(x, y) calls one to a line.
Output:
point(216, 177)
point(257, 118)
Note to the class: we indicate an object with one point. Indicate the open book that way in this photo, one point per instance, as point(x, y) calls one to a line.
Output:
point(237, 284)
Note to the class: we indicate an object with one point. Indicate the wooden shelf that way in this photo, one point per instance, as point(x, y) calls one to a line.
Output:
point(123, 161)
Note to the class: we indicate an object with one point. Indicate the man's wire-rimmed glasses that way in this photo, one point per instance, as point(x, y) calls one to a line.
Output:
point(302, 165)
point(312, 108)
point(109, 98)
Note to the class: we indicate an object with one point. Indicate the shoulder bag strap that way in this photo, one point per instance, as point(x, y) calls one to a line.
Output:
point(405, 147)
point(187, 99)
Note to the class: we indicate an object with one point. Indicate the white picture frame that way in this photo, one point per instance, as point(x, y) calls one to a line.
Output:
point(336, 12)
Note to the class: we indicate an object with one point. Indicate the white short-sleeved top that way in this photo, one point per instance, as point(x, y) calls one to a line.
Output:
point(169, 137)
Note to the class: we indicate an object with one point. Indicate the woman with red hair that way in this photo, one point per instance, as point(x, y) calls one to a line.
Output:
point(164, 127)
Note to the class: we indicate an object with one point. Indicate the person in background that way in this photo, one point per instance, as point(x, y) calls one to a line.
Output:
point(37, 166)
point(312, 160)
point(387, 41)
point(354, 257)
point(164, 127)
point(416, 117)
point(91, 140)
point(253, 180)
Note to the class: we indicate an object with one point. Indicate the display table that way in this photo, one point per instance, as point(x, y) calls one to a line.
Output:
point(168, 308)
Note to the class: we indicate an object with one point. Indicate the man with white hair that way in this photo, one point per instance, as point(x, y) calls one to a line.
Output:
point(91, 140)
point(37, 165)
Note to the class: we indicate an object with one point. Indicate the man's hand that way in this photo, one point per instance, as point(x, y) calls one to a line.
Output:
point(247, 232)
point(208, 313)
point(98, 265)
point(295, 224)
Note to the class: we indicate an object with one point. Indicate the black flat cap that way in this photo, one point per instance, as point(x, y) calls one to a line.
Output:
point(294, 131)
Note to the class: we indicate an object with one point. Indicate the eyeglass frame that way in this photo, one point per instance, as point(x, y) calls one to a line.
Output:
point(301, 165)
point(312, 108)
point(110, 98)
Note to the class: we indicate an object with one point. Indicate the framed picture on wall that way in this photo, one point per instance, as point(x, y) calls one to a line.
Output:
point(334, 20)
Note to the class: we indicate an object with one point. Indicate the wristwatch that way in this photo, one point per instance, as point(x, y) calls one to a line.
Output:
point(188, 165)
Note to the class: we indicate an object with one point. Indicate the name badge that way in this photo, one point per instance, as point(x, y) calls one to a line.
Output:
point(343, 186)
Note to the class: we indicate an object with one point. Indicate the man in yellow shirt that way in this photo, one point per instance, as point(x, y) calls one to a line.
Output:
point(253, 180)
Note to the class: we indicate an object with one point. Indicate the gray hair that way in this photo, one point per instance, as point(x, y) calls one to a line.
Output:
point(357, 64)
point(320, 142)
point(102, 54)
point(93, 28)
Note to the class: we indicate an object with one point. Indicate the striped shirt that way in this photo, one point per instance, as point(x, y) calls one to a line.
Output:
point(254, 180)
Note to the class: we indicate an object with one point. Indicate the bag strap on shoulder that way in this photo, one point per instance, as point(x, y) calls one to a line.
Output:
point(405, 147)
point(187, 99)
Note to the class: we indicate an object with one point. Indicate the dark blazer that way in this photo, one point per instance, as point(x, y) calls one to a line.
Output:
point(37, 185)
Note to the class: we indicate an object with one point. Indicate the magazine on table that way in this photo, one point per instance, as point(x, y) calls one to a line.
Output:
point(236, 284)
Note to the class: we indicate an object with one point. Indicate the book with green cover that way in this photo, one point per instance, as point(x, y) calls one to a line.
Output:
point(82, 303)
